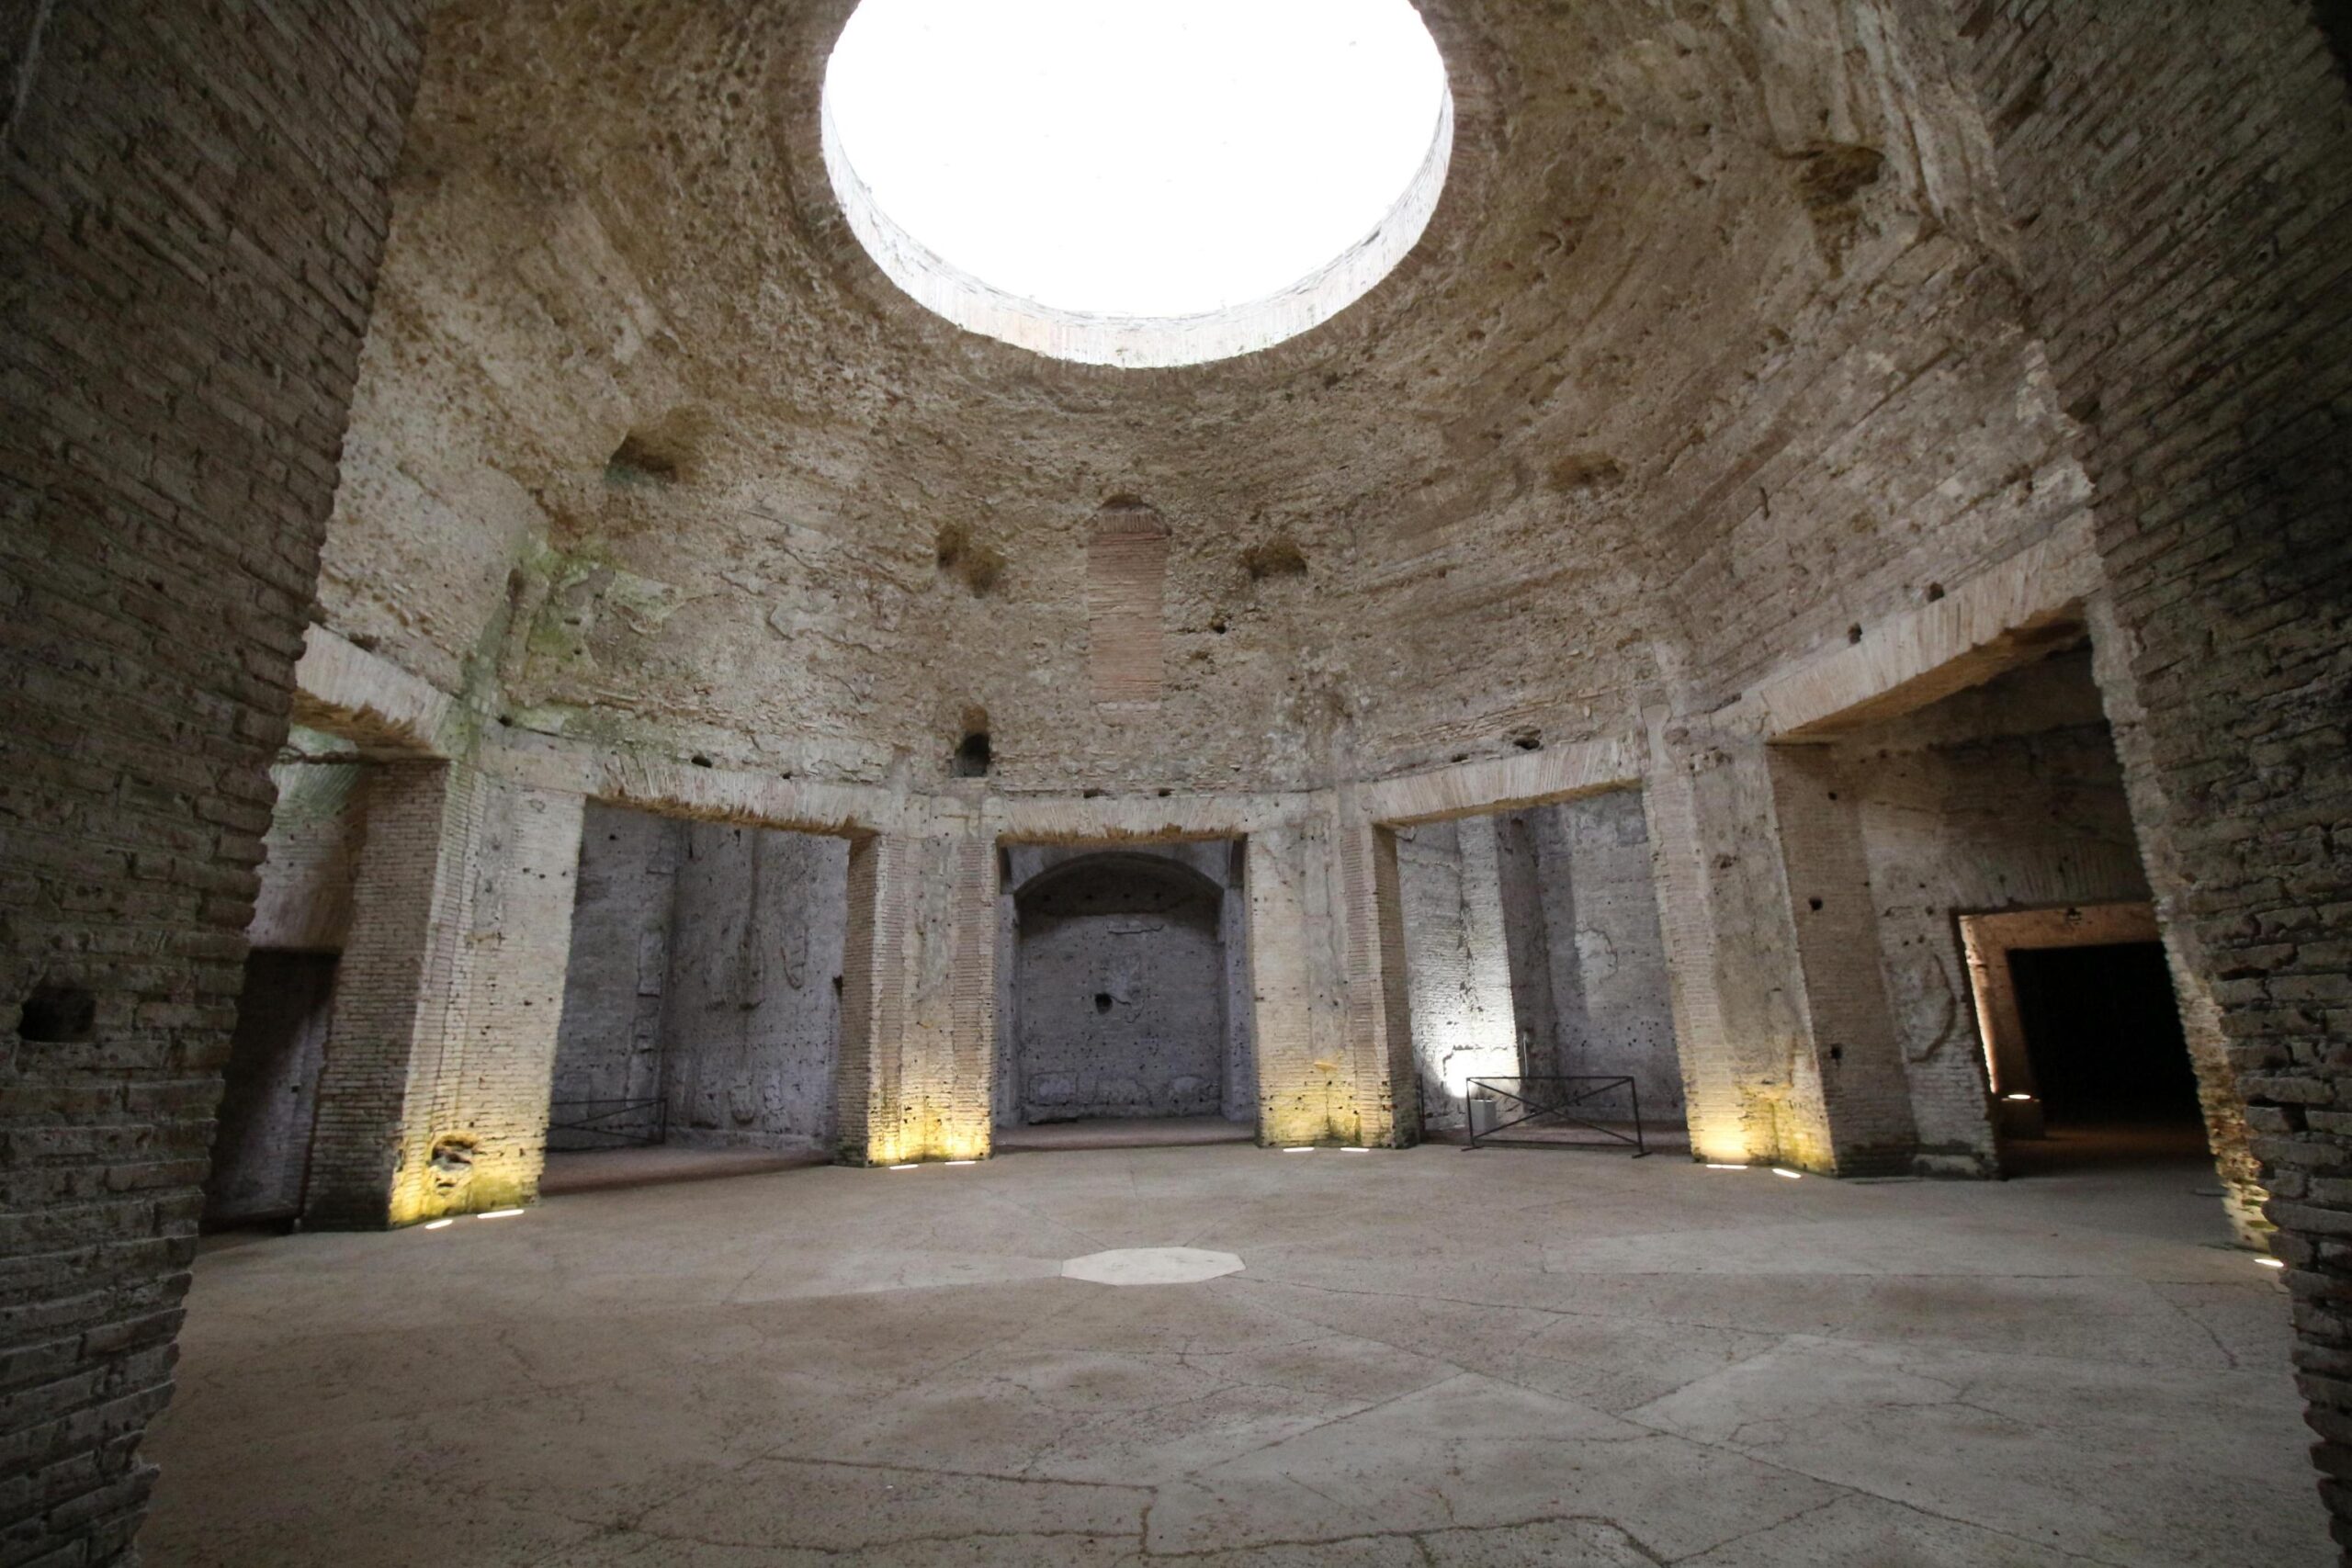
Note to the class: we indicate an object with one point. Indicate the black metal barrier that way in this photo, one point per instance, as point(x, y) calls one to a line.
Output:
point(1555, 1101)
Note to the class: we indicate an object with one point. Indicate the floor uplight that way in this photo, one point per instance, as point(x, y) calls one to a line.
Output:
point(1792, 1175)
point(438, 1224)
point(499, 1213)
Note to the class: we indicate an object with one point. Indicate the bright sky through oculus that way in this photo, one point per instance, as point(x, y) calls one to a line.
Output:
point(1137, 158)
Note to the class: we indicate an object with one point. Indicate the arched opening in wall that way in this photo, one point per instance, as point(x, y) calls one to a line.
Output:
point(263, 1137)
point(1535, 988)
point(1124, 1004)
point(702, 1003)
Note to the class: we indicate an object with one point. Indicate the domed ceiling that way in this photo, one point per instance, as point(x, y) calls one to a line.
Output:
point(1709, 351)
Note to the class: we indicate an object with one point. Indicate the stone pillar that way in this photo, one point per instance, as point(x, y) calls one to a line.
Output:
point(400, 953)
point(1788, 1048)
point(1527, 936)
point(918, 1053)
point(450, 1001)
point(1731, 961)
point(1306, 1077)
point(1855, 1060)
point(1378, 1042)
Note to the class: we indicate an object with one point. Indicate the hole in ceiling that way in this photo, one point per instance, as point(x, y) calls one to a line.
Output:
point(1155, 183)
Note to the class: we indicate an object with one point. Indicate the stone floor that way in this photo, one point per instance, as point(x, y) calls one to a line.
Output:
point(1427, 1358)
point(595, 1170)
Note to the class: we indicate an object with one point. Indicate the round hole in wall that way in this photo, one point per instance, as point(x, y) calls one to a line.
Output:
point(1154, 183)
point(1102, 1001)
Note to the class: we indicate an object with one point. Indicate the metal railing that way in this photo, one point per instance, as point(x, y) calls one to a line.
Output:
point(606, 1123)
point(1555, 1101)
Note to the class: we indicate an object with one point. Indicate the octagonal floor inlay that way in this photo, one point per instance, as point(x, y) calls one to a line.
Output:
point(1152, 1266)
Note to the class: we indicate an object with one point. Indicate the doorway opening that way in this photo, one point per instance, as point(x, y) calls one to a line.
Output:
point(1123, 1003)
point(302, 910)
point(2103, 1031)
point(1535, 974)
point(2084, 1049)
point(702, 1001)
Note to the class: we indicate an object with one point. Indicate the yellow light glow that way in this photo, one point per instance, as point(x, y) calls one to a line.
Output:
point(499, 1214)
point(2016, 1097)
point(438, 1224)
point(1792, 1175)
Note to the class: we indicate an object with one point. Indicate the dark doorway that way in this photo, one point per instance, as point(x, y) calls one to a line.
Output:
point(2104, 1033)
point(269, 1094)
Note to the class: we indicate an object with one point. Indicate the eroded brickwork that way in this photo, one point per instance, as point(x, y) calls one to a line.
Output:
point(2184, 196)
point(192, 206)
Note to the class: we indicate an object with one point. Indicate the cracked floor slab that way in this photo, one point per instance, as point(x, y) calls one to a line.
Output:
point(1429, 1360)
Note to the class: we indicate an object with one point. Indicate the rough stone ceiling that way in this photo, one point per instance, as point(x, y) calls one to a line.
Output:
point(1684, 250)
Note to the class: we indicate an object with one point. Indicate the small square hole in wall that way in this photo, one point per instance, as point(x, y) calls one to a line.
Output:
point(58, 1015)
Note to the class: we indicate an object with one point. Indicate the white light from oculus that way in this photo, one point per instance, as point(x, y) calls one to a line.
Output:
point(1140, 182)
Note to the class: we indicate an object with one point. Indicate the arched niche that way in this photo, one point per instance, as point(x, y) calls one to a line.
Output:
point(1123, 986)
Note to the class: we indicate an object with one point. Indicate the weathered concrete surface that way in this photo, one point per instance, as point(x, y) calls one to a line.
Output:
point(1429, 1357)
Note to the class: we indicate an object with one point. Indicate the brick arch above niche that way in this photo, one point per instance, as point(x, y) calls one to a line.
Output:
point(1127, 579)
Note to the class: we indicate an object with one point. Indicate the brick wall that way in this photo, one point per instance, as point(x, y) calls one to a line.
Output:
point(2183, 194)
point(1851, 1041)
point(192, 207)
